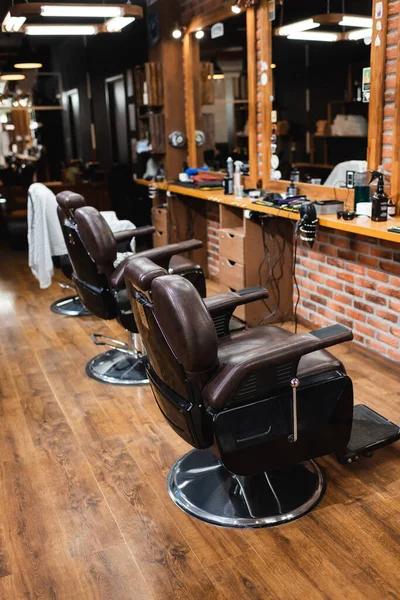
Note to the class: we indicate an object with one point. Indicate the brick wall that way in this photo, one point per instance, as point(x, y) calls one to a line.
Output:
point(212, 215)
point(353, 280)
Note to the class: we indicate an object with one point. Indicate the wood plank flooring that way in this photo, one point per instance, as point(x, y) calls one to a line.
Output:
point(84, 511)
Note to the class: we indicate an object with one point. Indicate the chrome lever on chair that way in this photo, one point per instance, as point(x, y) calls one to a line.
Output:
point(102, 340)
point(294, 385)
point(66, 286)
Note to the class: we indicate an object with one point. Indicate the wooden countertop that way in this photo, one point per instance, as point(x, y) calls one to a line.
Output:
point(360, 225)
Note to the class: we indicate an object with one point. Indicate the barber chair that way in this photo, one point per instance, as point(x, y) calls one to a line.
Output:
point(258, 406)
point(68, 202)
point(92, 250)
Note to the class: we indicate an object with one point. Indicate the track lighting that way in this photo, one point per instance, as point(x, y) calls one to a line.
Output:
point(199, 34)
point(235, 8)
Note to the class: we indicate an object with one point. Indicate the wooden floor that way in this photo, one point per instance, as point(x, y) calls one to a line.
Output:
point(84, 512)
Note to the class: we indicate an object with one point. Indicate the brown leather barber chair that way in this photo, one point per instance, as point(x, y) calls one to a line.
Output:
point(68, 202)
point(92, 249)
point(258, 406)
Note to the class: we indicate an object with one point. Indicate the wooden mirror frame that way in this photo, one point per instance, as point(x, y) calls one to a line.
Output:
point(375, 118)
point(191, 78)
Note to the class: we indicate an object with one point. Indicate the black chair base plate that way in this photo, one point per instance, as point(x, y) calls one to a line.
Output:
point(117, 368)
point(370, 432)
point(70, 306)
point(201, 486)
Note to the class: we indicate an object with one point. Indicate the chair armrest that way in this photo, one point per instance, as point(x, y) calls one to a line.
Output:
point(126, 236)
point(289, 350)
point(229, 302)
point(117, 277)
point(163, 254)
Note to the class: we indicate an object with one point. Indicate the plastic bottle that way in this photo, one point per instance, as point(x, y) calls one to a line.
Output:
point(237, 179)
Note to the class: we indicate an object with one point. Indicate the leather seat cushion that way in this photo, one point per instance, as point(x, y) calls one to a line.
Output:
point(180, 264)
point(243, 343)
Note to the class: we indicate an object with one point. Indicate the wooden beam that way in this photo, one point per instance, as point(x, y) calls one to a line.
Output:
point(252, 92)
point(220, 13)
point(378, 72)
point(190, 106)
point(266, 88)
point(395, 179)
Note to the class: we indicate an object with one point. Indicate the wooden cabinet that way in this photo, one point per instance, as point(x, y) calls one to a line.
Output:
point(231, 244)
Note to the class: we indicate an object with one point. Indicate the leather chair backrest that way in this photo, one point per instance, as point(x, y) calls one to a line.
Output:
point(97, 237)
point(176, 328)
point(91, 281)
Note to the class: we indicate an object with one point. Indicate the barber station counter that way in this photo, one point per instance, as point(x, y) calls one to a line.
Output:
point(360, 225)
point(350, 276)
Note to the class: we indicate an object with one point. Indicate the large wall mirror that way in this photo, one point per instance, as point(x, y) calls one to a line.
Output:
point(320, 106)
point(221, 102)
point(321, 114)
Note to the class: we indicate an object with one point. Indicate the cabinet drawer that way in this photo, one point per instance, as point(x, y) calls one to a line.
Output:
point(159, 218)
point(231, 244)
point(160, 238)
point(231, 273)
point(240, 311)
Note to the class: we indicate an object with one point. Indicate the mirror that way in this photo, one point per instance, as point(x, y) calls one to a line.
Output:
point(223, 113)
point(320, 90)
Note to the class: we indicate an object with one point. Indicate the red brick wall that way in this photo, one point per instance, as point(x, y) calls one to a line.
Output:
point(212, 239)
point(353, 280)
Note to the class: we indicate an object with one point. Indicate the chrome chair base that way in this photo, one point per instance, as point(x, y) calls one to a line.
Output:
point(70, 306)
point(201, 486)
point(118, 368)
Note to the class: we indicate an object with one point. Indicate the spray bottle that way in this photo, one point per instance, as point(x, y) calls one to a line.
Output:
point(237, 179)
point(380, 201)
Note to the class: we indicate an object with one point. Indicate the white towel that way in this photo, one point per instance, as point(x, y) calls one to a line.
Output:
point(45, 238)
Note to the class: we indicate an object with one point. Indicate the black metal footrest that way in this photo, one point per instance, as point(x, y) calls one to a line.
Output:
point(370, 432)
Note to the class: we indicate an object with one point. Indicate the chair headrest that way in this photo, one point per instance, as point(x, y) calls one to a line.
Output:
point(97, 236)
point(140, 272)
point(69, 202)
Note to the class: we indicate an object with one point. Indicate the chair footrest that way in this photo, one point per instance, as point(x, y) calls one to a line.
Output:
point(370, 432)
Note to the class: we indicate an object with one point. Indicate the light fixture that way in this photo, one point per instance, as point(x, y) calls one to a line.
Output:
point(61, 29)
point(235, 8)
point(297, 27)
point(273, 66)
point(199, 34)
point(349, 21)
point(76, 11)
point(118, 23)
point(27, 58)
point(118, 15)
point(314, 36)
point(358, 34)
point(10, 73)
point(177, 32)
point(12, 24)
point(218, 72)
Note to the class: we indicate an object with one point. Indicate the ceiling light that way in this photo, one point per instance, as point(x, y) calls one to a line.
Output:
point(118, 23)
point(61, 29)
point(235, 8)
point(298, 26)
point(177, 33)
point(314, 36)
point(12, 24)
point(348, 21)
point(27, 58)
point(75, 10)
point(9, 73)
point(359, 34)
point(199, 34)
point(218, 76)
point(217, 71)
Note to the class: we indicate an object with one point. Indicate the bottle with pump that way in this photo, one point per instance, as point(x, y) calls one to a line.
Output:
point(380, 201)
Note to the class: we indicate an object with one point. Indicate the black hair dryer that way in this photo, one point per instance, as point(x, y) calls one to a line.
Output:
point(308, 224)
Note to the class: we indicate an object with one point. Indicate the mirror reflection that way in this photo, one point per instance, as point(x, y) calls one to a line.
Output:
point(224, 92)
point(321, 80)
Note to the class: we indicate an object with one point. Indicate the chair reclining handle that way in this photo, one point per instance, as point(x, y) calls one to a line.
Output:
point(66, 286)
point(102, 340)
